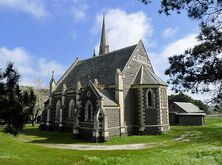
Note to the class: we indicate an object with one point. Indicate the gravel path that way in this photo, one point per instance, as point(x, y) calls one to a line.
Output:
point(100, 147)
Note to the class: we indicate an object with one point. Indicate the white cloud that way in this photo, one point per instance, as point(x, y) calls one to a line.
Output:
point(124, 29)
point(160, 60)
point(46, 67)
point(175, 48)
point(28, 66)
point(18, 56)
point(79, 10)
point(33, 7)
point(179, 46)
point(170, 32)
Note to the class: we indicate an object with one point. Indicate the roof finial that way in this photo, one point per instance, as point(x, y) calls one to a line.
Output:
point(104, 46)
point(94, 53)
point(52, 74)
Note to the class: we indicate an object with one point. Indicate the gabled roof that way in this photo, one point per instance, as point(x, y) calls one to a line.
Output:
point(102, 68)
point(188, 107)
point(104, 95)
point(146, 76)
point(107, 98)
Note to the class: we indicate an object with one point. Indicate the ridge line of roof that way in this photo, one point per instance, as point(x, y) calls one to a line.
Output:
point(66, 72)
point(94, 88)
point(154, 76)
point(105, 54)
point(127, 63)
point(141, 77)
point(137, 72)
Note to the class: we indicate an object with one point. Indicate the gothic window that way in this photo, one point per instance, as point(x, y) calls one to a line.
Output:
point(58, 107)
point(71, 109)
point(150, 98)
point(88, 111)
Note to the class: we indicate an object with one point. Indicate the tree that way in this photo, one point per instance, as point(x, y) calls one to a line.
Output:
point(41, 97)
point(12, 102)
point(208, 11)
point(29, 100)
point(198, 68)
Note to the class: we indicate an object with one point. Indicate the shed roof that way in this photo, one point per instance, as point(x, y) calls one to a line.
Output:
point(188, 107)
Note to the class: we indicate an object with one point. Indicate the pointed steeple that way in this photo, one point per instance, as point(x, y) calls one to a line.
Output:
point(104, 46)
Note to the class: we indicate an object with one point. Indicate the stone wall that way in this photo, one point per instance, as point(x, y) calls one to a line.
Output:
point(128, 78)
point(151, 113)
point(113, 121)
point(140, 57)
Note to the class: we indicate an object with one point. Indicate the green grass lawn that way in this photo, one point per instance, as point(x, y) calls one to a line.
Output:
point(198, 145)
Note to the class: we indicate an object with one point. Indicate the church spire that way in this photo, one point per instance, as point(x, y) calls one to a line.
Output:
point(104, 46)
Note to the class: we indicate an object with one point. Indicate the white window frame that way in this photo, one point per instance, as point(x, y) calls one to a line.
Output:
point(86, 111)
point(71, 109)
point(58, 107)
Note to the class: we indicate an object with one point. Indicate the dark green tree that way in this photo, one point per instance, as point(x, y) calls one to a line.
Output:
point(200, 67)
point(12, 111)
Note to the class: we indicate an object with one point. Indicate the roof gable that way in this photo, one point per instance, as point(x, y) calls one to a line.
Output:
point(145, 76)
point(139, 54)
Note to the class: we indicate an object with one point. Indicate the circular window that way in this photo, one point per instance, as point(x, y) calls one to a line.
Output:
point(88, 93)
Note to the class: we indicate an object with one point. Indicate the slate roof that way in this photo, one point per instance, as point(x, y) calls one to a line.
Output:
point(101, 67)
point(146, 76)
point(103, 94)
point(188, 107)
point(107, 98)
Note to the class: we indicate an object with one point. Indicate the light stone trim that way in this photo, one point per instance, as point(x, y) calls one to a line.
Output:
point(147, 86)
point(160, 105)
point(142, 121)
point(161, 125)
point(152, 98)
point(110, 107)
point(67, 72)
point(60, 116)
point(119, 96)
point(48, 115)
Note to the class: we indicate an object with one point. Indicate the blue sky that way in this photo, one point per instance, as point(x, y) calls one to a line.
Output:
point(44, 35)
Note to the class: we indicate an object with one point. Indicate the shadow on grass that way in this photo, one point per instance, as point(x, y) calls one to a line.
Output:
point(208, 134)
point(34, 135)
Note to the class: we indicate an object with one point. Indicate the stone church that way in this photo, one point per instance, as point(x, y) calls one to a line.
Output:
point(112, 94)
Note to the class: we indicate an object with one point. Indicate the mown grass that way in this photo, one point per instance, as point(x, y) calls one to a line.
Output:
point(199, 145)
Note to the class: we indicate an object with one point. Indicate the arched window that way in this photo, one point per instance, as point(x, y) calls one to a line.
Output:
point(58, 107)
point(71, 109)
point(150, 98)
point(88, 111)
